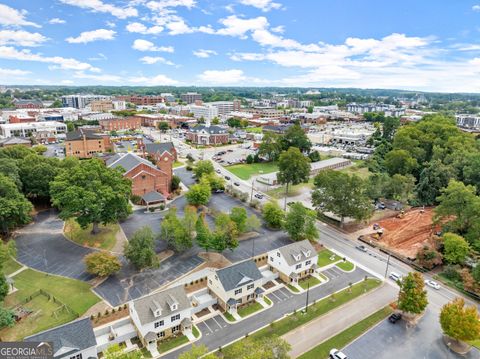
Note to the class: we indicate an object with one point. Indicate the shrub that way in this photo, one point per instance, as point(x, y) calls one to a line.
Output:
point(451, 273)
point(135, 199)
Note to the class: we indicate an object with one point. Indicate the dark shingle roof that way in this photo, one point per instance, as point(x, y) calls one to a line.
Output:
point(153, 196)
point(127, 161)
point(14, 141)
point(159, 147)
point(238, 275)
point(78, 135)
point(68, 338)
point(210, 129)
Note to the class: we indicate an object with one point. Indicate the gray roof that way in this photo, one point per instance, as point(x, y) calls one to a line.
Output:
point(210, 129)
point(127, 161)
point(79, 133)
point(153, 196)
point(14, 141)
point(68, 338)
point(259, 290)
point(231, 301)
point(238, 275)
point(159, 147)
point(330, 162)
point(301, 250)
point(145, 306)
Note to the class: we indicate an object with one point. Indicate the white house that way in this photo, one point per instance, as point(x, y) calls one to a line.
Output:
point(236, 285)
point(161, 315)
point(294, 261)
point(74, 340)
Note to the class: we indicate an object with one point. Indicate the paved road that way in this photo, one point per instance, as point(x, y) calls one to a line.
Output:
point(319, 330)
point(284, 303)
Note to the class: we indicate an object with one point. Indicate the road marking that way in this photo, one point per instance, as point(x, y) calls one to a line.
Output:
point(217, 322)
point(273, 293)
point(211, 331)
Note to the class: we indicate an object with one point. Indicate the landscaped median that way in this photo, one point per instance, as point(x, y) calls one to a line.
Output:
point(326, 257)
point(347, 336)
point(249, 309)
point(105, 239)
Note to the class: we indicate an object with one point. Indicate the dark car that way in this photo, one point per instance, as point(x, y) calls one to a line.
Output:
point(219, 190)
point(258, 195)
point(227, 178)
point(395, 317)
point(236, 184)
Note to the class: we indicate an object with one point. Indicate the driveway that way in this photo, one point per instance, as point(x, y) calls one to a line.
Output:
point(42, 246)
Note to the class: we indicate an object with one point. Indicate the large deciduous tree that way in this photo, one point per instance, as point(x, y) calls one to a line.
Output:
point(91, 193)
point(270, 147)
point(412, 297)
point(295, 136)
point(455, 248)
point(460, 322)
point(400, 161)
point(36, 173)
point(203, 168)
point(239, 216)
point(273, 215)
point(225, 234)
point(300, 223)
point(102, 263)
point(293, 167)
point(203, 234)
point(179, 232)
point(14, 207)
point(140, 249)
point(199, 194)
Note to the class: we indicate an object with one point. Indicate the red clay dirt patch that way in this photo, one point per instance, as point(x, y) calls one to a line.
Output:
point(408, 234)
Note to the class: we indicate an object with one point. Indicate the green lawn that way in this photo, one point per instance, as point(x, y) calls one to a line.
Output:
point(310, 280)
point(249, 309)
point(292, 288)
point(346, 266)
point(327, 257)
point(195, 332)
point(177, 164)
point(245, 171)
point(170, 343)
point(74, 293)
point(294, 190)
point(358, 168)
point(475, 343)
point(254, 129)
point(348, 335)
point(11, 266)
point(103, 240)
point(268, 301)
point(315, 310)
point(229, 317)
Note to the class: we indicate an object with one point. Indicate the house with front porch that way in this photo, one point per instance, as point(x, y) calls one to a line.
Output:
point(236, 285)
point(161, 315)
point(293, 262)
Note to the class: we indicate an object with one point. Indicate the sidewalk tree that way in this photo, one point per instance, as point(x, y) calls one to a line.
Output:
point(460, 322)
point(14, 207)
point(140, 249)
point(239, 216)
point(203, 168)
point(199, 194)
point(7, 318)
point(412, 297)
point(300, 223)
point(293, 167)
point(273, 215)
point(91, 193)
point(342, 194)
point(455, 248)
point(102, 263)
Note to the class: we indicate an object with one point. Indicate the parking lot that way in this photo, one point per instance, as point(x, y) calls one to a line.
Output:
point(280, 295)
point(232, 156)
point(212, 325)
point(333, 272)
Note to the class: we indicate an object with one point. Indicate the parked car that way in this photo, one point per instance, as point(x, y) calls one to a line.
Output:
point(236, 184)
point(258, 195)
point(219, 191)
point(432, 284)
point(395, 317)
point(395, 276)
point(227, 178)
point(230, 150)
point(218, 170)
point(337, 354)
point(361, 248)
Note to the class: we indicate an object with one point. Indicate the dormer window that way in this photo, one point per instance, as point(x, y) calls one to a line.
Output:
point(307, 253)
point(174, 307)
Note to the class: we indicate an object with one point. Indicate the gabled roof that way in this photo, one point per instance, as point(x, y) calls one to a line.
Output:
point(153, 196)
point(159, 147)
point(68, 338)
point(127, 161)
point(14, 141)
point(210, 129)
point(78, 134)
point(297, 252)
point(143, 306)
point(238, 275)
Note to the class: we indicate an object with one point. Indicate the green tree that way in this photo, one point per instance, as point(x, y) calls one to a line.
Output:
point(273, 215)
point(400, 161)
point(272, 347)
point(203, 168)
point(215, 182)
point(163, 126)
point(102, 263)
point(199, 194)
point(433, 178)
point(460, 322)
point(314, 156)
point(377, 186)
point(4, 287)
point(455, 248)
point(215, 121)
point(412, 297)
point(476, 272)
point(226, 233)
point(270, 147)
point(295, 136)
point(140, 249)
point(37, 173)
point(7, 250)
point(389, 126)
point(234, 122)
point(16, 152)
point(400, 187)
point(239, 216)
point(341, 194)
point(293, 168)
point(40, 149)
point(175, 183)
point(9, 168)
point(252, 223)
point(179, 232)
point(14, 207)
point(91, 193)
point(197, 352)
point(249, 159)
point(300, 223)
point(7, 318)
point(203, 234)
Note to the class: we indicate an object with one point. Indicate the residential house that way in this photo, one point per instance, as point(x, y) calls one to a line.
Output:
point(236, 285)
point(74, 340)
point(160, 315)
point(86, 143)
point(294, 261)
point(207, 135)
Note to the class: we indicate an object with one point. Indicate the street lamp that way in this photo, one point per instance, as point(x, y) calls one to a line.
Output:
point(251, 195)
point(388, 264)
point(306, 301)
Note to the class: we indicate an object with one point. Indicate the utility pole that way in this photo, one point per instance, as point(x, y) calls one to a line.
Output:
point(388, 263)
point(253, 248)
point(251, 194)
point(306, 301)
point(285, 201)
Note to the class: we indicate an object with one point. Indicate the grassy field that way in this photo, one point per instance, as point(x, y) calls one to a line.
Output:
point(475, 343)
point(358, 168)
point(292, 288)
point(245, 171)
point(249, 309)
point(168, 344)
point(348, 335)
point(11, 266)
point(346, 266)
point(324, 258)
point(293, 191)
point(195, 332)
point(103, 240)
point(253, 129)
point(310, 280)
point(75, 294)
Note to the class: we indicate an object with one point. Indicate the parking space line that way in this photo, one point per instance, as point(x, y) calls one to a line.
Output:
point(273, 293)
point(217, 323)
point(211, 331)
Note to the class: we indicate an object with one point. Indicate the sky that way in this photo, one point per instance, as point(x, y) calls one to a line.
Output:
point(427, 45)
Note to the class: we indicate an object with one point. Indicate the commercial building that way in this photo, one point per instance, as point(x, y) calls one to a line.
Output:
point(42, 131)
point(168, 96)
point(86, 143)
point(101, 106)
point(27, 104)
point(329, 164)
point(14, 141)
point(207, 135)
point(225, 107)
point(471, 122)
point(21, 118)
point(389, 110)
point(190, 97)
point(117, 123)
point(142, 100)
point(206, 112)
point(81, 101)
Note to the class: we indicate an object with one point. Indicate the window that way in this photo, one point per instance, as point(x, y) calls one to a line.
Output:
point(175, 328)
point(175, 317)
point(158, 324)
point(278, 254)
point(298, 266)
point(210, 281)
point(238, 291)
point(160, 335)
point(250, 286)
point(308, 262)
point(78, 356)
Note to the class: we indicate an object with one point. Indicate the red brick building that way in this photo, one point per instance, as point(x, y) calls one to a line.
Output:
point(27, 104)
point(117, 124)
point(21, 119)
point(142, 100)
point(157, 150)
point(207, 135)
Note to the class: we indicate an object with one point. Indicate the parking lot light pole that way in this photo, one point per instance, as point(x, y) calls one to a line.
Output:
point(388, 263)
point(306, 301)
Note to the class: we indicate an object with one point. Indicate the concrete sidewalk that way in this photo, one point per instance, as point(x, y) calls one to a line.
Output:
point(317, 331)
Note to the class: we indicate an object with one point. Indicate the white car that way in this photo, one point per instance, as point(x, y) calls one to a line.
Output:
point(432, 284)
point(337, 354)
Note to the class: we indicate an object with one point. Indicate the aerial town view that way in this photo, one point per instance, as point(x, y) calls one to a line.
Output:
point(239, 179)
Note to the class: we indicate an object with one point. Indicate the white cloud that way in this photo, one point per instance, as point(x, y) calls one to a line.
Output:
point(264, 5)
point(222, 77)
point(8, 52)
point(144, 45)
point(204, 53)
point(67, 82)
point(56, 20)
point(21, 38)
point(13, 17)
point(103, 78)
point(162, 4)
point(13, 72)
point(90, 36)
point(476, 7)
point(235, 26)
point(153, 81)
point(150, 60)
point(139, 28)
point(280, 29)
point(99, 57)
point(100, 6)
point(110, 24)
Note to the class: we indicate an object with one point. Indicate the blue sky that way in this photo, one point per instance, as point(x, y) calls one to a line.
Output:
point(430, 45)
